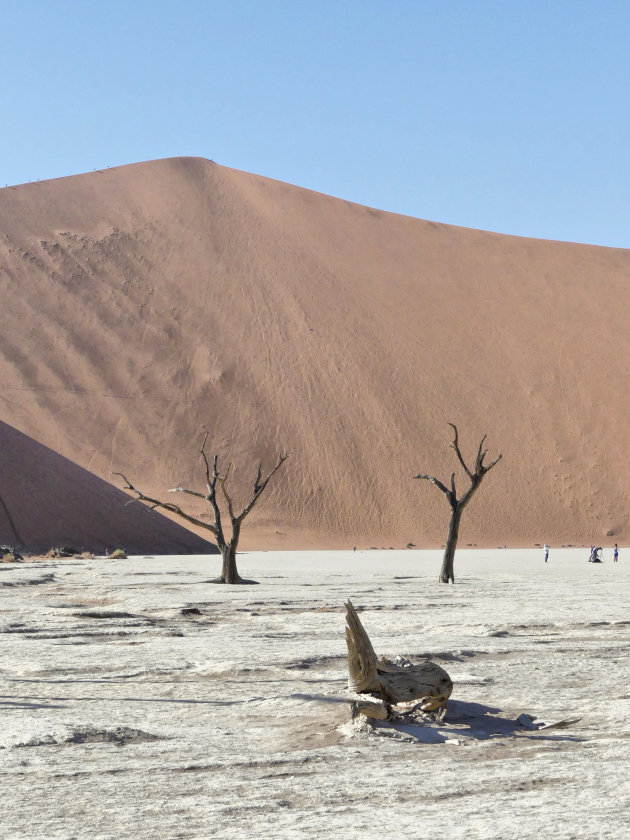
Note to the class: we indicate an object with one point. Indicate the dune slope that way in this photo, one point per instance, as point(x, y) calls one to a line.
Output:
point(48, 501)
point(147, 305)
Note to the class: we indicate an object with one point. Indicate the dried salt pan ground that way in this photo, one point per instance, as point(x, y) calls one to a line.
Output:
point(123, 717)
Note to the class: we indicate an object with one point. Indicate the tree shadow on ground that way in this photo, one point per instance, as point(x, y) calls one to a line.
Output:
point(466, 721)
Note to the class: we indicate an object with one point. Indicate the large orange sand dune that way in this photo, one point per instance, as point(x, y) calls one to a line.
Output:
point(145, 305)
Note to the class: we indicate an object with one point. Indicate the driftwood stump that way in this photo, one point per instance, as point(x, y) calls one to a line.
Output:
point(392, 683)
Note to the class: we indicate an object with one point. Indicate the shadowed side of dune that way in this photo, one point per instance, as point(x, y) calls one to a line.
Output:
point(47, 500)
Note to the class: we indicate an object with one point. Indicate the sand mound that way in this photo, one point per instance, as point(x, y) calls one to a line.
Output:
point(46, 500)
point(148, 304)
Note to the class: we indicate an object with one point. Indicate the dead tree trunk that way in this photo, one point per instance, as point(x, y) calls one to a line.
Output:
point(389, 681)
point(457, 506)
point(229, 571)
point(448, 560)
point(227, 547)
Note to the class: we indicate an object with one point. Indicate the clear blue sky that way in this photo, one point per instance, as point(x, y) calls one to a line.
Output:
point(495, 114)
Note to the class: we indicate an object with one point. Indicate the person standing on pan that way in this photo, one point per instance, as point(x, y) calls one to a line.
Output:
point(546, 550)
point(615, 554)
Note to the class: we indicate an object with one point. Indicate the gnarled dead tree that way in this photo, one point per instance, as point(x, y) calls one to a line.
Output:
point(227, 547)
point(391, 682)
point(457, 505)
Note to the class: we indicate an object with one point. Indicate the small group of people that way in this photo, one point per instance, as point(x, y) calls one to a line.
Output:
point(595, 555)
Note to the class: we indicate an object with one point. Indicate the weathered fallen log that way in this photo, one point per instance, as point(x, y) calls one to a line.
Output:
point(391, 682)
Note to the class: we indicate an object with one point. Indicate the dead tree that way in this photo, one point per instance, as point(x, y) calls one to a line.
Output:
point(392, 682)
point(227, 547)
point(457, 505)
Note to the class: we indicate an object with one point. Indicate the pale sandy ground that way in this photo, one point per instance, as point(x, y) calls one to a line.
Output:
point(121, 717)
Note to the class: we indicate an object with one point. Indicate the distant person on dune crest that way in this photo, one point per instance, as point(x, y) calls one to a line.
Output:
point(546, 550)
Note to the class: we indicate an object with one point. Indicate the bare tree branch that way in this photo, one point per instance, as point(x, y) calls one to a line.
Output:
point(259, 485)
point(493, 464)
point(435, 481)
point(480, 455)
point(141, 497)
point(228, 499)
point(257, 479)
point(455, 446)
point(207, 465)
point(179, 489)
point(211, 483)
